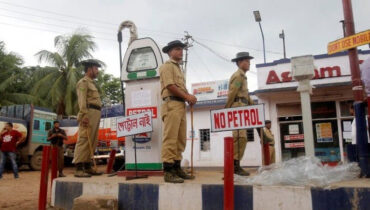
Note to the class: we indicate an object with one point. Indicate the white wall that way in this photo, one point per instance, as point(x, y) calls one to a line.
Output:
point(215, 157)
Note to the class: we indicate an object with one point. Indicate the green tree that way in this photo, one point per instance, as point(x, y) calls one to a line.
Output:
point(110, 88)
point(58, 86)
point(11, 80)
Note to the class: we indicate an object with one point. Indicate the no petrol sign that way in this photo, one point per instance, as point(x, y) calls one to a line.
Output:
point(244, 117)
point(134, 124)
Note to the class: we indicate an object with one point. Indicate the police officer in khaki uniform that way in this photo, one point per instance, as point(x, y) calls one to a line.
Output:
point(268, 138)
point(238, 96)
point(88, 118)
point(173, 110)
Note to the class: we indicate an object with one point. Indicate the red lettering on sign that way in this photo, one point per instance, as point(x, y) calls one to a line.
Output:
point(235, 117)
point(240, 117)
point(272, 78)
point(222, 120)
point(285, 77)
point(317, 75)
point(229, 118)
point(325, 72)
point(246, 117)
point(217, 120)
point(133, 111)
point(253, 116)
point(330, 71)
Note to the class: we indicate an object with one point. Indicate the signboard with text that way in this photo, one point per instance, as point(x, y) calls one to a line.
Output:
point(349, 42)
point(132, 111)
point(210, 90)
point(294, 137)
point(134, 124)
point(329, 69)
point(244, 117)
point(294, 145)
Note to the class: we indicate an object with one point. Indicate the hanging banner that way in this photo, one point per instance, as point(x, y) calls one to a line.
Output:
point(244, 117)
point(134, 124)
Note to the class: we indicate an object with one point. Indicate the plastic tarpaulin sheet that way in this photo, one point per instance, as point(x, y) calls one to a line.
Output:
point(302, 171)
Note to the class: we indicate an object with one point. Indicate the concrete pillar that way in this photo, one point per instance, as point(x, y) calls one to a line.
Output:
point(303, 71)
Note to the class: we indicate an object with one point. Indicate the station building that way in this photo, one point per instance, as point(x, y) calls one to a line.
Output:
point(330, 102)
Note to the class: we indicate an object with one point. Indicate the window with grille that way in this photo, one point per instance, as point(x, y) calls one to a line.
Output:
point(250, 134)
point(205, 143)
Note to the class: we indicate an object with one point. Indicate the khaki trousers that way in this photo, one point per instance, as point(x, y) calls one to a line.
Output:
point(82, 152)
point(60, 157)
point(240, 138)
point(272, 154)
point(240, 143)
point(174, 131)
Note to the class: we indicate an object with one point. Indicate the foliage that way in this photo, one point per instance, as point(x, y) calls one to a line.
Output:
point(10, 79)
point(58, 86)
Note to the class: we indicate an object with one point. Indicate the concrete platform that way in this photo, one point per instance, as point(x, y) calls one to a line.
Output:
point(206, 192)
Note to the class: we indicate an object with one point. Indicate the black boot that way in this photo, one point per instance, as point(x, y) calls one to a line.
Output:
point(170, 174)
point(180, 172)
point(238, 170)
point(80, 172)
point(90, 170)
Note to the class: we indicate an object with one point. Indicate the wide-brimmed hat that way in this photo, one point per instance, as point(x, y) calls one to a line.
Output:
point(173, 44)
point(241, 56)
point(90, 62)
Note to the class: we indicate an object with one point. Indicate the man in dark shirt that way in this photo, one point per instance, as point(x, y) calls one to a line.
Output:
point(9, 140)
point(57, 136)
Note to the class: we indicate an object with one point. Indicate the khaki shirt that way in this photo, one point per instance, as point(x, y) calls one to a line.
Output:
point(268, 136)
point(87, 93)
point(238, 88)
point(171, 74)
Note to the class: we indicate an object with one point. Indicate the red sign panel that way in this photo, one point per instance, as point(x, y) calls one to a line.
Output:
point(293, 137)
point(294, 145)
point(132, 111)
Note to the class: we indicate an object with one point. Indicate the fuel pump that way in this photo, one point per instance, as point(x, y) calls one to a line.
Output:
point(140, 79)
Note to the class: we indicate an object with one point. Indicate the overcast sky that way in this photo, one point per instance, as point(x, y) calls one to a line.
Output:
point(226, 27)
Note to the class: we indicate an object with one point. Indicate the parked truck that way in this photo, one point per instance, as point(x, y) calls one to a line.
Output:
point(107, 136)
point(34, 124)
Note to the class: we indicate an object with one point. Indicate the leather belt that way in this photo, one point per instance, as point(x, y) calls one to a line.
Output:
point(243, 100)
point(92, 106)
point(173, 98)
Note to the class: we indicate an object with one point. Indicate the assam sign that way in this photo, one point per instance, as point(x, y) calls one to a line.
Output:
point(244, 117)
point(349, 42)
point(134, 124)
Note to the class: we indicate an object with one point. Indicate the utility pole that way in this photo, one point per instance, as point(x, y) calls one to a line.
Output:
point(282, 36)
point(188, 40)
point(358, 91)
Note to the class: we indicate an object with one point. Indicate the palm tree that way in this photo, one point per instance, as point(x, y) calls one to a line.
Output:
point(10, 79)
point(58, 86)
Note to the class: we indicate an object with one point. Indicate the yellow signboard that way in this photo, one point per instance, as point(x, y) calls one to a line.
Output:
point(349, 42)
